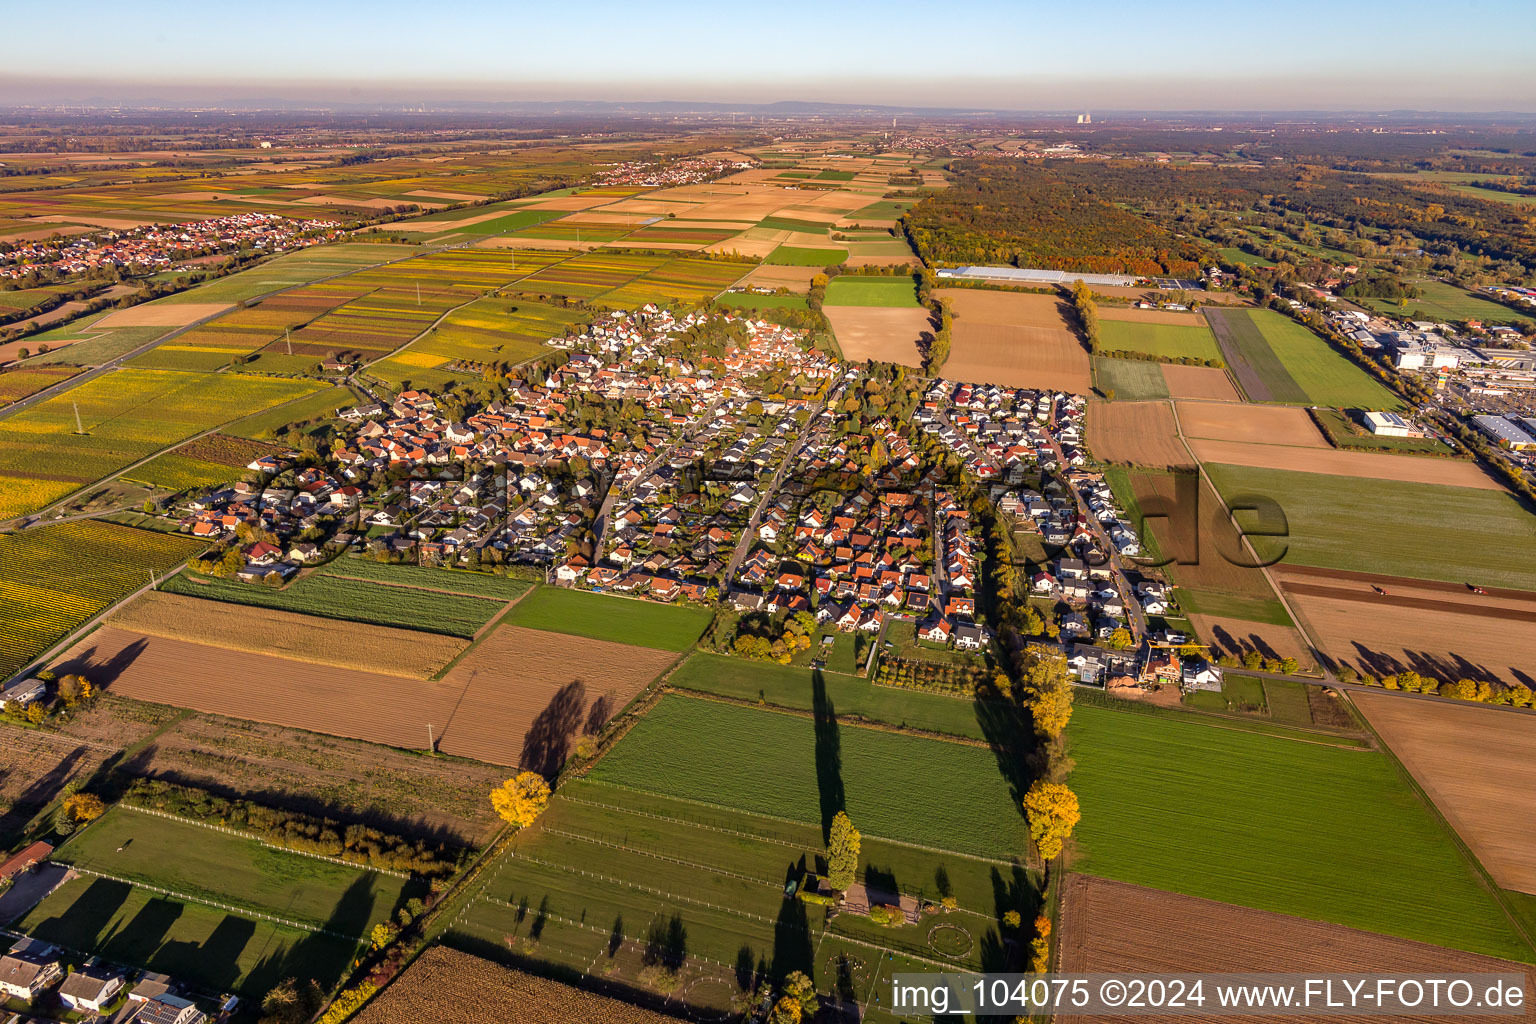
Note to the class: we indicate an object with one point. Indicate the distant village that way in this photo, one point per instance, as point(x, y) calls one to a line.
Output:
point(162, 246)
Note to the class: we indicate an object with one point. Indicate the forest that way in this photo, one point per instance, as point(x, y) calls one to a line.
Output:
point(1023, 215)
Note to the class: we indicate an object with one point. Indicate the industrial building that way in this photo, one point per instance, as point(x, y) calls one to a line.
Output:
point(1027, 275)
point(1507, 432)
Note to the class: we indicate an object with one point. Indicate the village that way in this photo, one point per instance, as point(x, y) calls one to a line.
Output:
point(162, 246)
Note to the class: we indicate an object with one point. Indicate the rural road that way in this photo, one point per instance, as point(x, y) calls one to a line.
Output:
point(745, 543)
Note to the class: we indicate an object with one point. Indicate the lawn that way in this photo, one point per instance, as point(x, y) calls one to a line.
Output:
point(1129, 380)
point(1427, 531)
point(795, 256)
point(201, 864)
point(619, 619)
point(1260, 821)
point(851, 290)
point(1166, 341)
point(851, 697)
point(202, 946)
point(906, 789)
point(332, 597)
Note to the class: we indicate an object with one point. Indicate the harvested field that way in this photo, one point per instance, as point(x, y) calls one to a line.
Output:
point(352, 645)
point(1339, 462)
point(1199, 382)
point(1116, 927)
point(432, 988)
point(1135, 434)
point(161, 314)
point(1441, 630)
point(1478, 766)
point(1016, 339)
point(886, 334)
point(1256, 424)
point(520, 697)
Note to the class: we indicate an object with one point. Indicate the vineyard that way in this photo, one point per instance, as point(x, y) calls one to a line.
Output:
point(55, 578)
point(590, 275)
point(19, 384)
point(125, 416)
point(490, 330)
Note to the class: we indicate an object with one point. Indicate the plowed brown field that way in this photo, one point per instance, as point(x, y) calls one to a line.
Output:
point(1479, 767)
point(1016, 339)
point(1335, 462)
point(1217, 538)
point(1199, 382)
point(882, 333)
point(1135, 434)
point(160, 314)
point(1437, 629)
point(1126, 929)
point(1258, 424)
point(520, 697)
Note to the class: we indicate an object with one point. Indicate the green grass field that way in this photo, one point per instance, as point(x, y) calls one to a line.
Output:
point(901, 788)
point(850, 290)
point(202, 864)
point(1168, 341)
point(619, 619)
point(746, 300)
point(1440, 301)
point(203, 946)
point(1457, 533)
point(1276, 359)
point(795, 256)
point(1128, 379)
point(1297, 828)
point(788, 687)
point(1345, 433)
point(333, 597)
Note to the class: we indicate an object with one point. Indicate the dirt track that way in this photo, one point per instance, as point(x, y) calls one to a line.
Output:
point(1115, 927)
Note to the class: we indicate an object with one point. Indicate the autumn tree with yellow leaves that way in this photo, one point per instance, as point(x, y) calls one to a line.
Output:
point(1047, 692)
point(521, 800)
point(1052, 812)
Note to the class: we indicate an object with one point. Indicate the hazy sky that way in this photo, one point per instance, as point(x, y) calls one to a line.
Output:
point(1343, 54)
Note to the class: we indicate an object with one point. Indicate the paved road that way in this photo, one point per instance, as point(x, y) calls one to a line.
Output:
point(745, 543)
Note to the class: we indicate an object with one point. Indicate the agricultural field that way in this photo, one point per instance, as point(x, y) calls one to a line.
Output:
point(487, 331)
point(1287, 840)
point(126, 415)
point(684, 280)
point(58, 577)
point(580, 888)
point(901, 788)
point(204, 946)
point(1341, 462)
point(18, 384)
point(850, 698)
point(1162, 340)
point(204, 865)
point(34, 768)
point(1109, 926)
point(590, 274)
point(321, 405)
point(1276, 359)
point(885, 333)
point(1440, 301)
point(1476, 764)
point(805, 256)
point(617, 619)
point(1131, 380)
point(202, 462)
point(247, 328)
point(1440, 630)
point(1135, 434)
point(1204, 382)
point(1451, 526)
point(855, 290)
point(1016, 339)
point(518, 697)
point(432, 988)
point(333, 594)
point(288, 635)
point(1249, 424)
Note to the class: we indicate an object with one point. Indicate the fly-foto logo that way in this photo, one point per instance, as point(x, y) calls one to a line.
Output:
point(1250, 532)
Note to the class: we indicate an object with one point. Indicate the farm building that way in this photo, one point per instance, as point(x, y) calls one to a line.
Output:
point(38, 851)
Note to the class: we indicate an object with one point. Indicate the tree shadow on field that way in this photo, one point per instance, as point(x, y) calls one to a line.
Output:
point(829, 755)
point(1010, 733)
point(548, 740)
point(102, 673)
point(39, 794)
point(598, 714)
